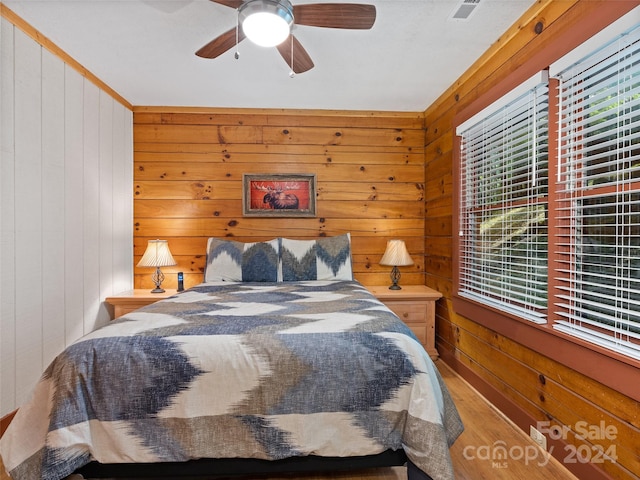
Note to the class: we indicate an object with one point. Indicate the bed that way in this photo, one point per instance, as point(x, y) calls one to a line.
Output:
point(279, 359)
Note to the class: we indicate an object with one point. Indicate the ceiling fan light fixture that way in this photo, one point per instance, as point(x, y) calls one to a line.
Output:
point(266, 22)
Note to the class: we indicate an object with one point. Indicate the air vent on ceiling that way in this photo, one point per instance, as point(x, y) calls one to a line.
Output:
point(464, 9)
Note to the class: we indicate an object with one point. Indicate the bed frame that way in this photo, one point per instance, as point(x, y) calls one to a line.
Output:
point(212, 468)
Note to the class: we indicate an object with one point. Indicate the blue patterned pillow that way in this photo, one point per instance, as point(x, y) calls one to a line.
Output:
point(326, 258)
point(231, 261)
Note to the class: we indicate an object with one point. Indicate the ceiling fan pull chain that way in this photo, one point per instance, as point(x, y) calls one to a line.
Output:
point(237, 54)
point(291, 73)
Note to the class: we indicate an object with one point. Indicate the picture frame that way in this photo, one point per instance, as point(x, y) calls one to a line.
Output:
point(279, 195)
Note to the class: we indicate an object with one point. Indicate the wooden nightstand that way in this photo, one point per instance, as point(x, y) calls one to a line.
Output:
point(131, 300)
point(416, 306)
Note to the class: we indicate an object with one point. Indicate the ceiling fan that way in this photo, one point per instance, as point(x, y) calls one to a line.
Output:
point(279, 17)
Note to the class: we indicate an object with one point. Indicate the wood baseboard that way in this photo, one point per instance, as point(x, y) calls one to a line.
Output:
point(518, 416)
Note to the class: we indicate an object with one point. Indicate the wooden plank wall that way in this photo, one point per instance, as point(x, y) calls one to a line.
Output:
point(188, 167)
point(518, 379)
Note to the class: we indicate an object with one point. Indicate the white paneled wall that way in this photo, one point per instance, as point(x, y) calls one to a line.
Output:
point(65, 208)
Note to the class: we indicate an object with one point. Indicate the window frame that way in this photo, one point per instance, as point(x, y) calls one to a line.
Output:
point(527, 102)
point(599, 195)
point(606, 366)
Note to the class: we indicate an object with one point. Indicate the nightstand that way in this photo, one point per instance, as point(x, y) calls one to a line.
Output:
point(131, 300)
point(416, 306)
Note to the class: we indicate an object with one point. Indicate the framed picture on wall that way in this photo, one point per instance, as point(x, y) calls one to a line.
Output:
point(279, 195)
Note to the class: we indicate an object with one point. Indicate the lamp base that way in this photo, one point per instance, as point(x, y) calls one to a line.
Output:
point(395, 278)
point(157, 278)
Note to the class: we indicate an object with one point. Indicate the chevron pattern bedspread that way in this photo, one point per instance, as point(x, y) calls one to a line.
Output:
point(249, 370)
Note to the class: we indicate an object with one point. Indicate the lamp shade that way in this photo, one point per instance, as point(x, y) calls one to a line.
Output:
point(396, 254)
point(157, 255)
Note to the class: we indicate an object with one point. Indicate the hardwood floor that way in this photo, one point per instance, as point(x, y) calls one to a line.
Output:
point(484, 425)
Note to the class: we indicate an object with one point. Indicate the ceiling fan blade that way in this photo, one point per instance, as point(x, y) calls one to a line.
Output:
point(221, 44)
point(301, 60)
point(229, 3)
point(336, 15)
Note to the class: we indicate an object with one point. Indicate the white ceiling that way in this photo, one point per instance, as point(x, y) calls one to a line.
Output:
point(144, 50)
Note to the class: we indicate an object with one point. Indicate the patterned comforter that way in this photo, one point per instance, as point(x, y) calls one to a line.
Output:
point(249, 370)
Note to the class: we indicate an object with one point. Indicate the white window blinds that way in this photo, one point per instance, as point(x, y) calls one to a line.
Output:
point(598, 183)
point(503, 207)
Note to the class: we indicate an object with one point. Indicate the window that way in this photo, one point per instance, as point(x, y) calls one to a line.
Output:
point(589, 201)
point(503, 207)
point(598, 183)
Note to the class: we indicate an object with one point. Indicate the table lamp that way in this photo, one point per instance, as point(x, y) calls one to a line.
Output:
point(397, 256)
point(157, 255)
